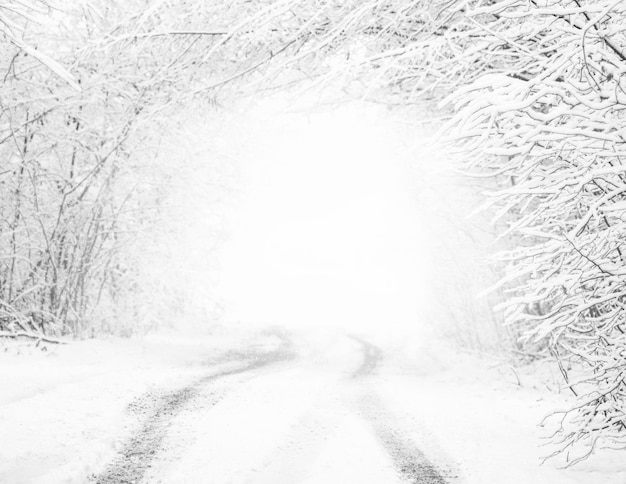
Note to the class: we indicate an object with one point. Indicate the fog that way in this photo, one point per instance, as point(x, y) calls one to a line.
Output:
point(329, 230)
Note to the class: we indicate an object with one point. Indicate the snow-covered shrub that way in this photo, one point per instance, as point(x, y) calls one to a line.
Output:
point(545, 112)
point(82, 116)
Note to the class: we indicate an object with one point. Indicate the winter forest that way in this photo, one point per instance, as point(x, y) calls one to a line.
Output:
point(415, 207)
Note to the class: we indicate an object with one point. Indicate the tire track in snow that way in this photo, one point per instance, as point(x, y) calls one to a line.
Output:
point(409, 460)
point(371, 357)
point(141, 449)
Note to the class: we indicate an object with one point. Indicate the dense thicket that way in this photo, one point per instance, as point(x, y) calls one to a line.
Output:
point(86, 95)
point(541, 108)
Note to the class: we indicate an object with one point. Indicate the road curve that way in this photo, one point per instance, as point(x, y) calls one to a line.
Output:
point(352, 397)
point(372, 355)
point(138, 453)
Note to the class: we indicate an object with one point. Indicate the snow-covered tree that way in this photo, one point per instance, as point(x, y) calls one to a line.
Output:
point(88, 90)
point(542, 109)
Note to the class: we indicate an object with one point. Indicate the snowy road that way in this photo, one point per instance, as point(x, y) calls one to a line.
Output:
point(288, 412)
point(270, 407)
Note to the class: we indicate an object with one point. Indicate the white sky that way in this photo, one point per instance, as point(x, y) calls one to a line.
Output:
point(328, 228)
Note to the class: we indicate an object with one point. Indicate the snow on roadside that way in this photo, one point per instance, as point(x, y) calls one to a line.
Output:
point(63, 412)
point(480, 416)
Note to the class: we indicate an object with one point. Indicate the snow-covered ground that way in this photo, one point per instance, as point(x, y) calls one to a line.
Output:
point(65, 409)
point(317, 413)
point(483, 415)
